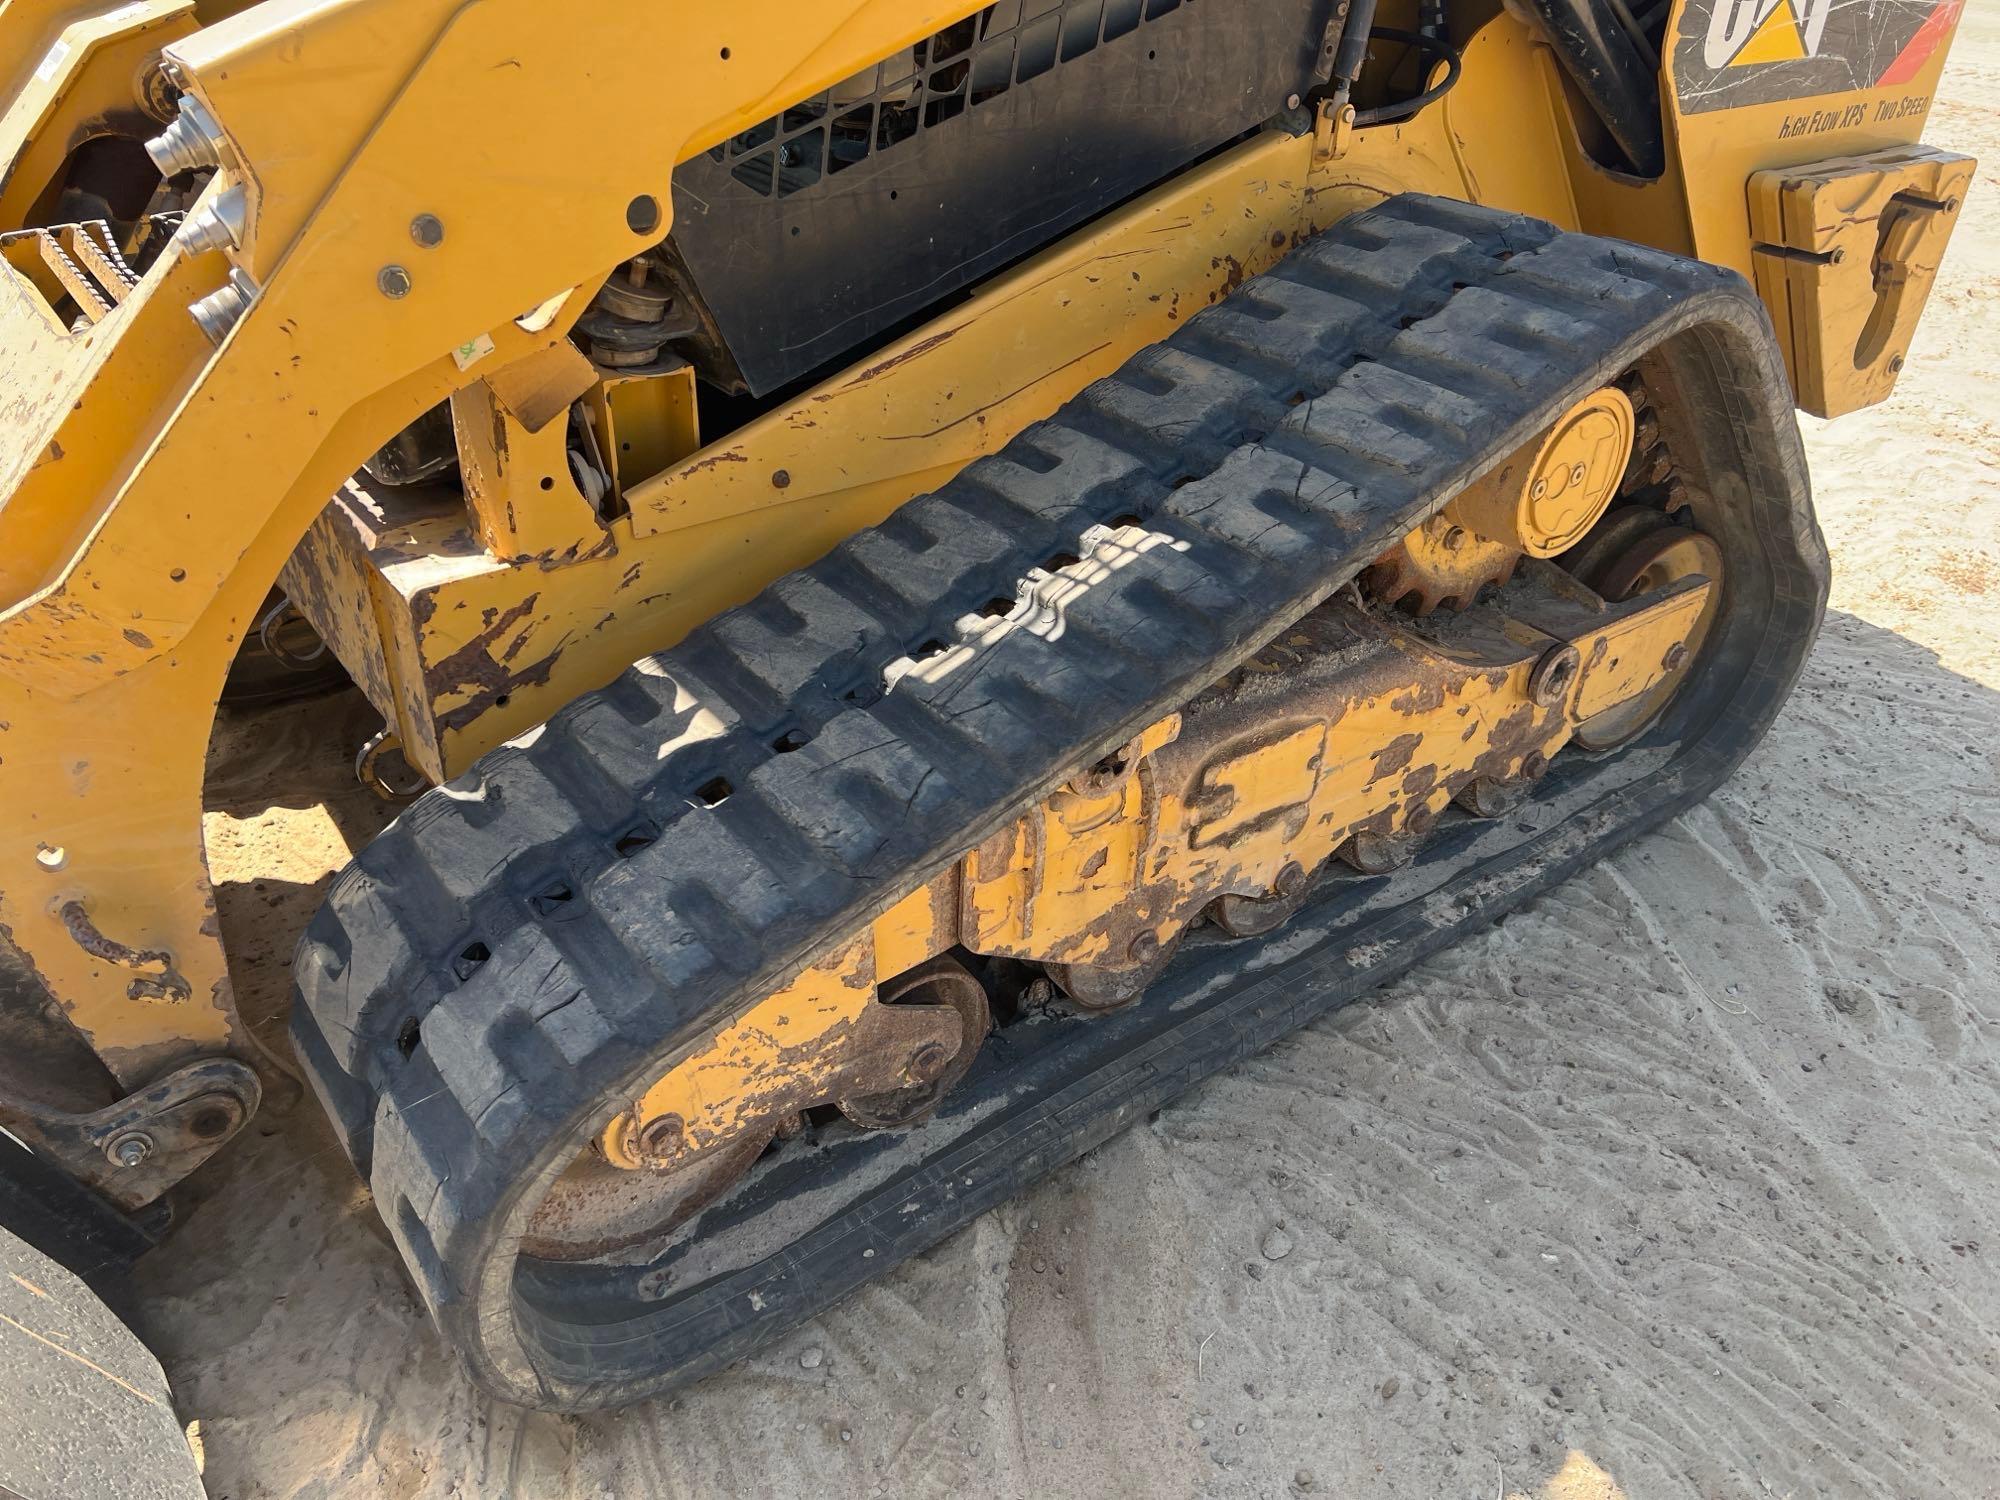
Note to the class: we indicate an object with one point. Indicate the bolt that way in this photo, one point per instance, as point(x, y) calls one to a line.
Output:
point(393, 281)
point(927, 1062)
point(1676, 657)
point(129, 1149)
point(1895, 364)
point(1576, 473)
point(1291, 101)
point(781, 479)
point(1454, 539)
point(1539, 489)
point(1951, 204)
point(427, 230)
point(662, 1135)
point(1838, 255)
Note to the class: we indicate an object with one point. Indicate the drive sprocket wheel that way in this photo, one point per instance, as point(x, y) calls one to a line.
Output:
point(1539, 501)
point(1440, 563)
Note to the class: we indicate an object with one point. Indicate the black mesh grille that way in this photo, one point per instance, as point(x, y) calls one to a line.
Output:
point(976, 146)
point(962, 67)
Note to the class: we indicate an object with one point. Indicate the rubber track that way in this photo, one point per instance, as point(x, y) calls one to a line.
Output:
point(524, 946)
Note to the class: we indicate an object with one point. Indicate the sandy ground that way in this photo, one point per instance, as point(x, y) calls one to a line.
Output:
point(1679, 1183)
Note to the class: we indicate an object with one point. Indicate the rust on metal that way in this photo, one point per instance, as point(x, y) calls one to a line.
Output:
point(156, 979)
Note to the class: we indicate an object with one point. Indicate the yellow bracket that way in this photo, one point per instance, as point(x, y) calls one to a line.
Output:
point(1845, 253)
point(155, 485)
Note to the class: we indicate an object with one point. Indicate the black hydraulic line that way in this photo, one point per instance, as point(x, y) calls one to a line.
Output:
point(1608, 70)
point(1432, 47)
point(1648, 54)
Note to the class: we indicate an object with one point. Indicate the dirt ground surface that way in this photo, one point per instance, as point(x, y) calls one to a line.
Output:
point(1682, 1182)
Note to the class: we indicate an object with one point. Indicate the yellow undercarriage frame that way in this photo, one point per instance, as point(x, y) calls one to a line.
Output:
point(428, 194)
point(1351, 733)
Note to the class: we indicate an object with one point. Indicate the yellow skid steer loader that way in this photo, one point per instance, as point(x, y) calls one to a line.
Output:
point(943, 570)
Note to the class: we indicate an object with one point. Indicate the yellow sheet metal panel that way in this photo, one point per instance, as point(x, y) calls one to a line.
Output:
point(713, 529)
point(647, 424)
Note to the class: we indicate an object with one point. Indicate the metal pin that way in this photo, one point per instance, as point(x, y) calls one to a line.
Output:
point(217, 224)
point(192, 142)
point(220, 310)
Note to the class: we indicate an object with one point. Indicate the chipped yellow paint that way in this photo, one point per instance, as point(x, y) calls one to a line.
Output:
point(1219, 799)
point(786, 1034)
point(155, 487)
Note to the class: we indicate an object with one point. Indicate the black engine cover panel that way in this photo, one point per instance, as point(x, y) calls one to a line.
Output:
point(817, 230)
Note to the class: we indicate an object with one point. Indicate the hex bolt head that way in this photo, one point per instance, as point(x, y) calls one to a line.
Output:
point(662, 1135)
point(427, 230)
point(1676, 657)
point(393, 282)
point(927, 1062)
point(129, 1149)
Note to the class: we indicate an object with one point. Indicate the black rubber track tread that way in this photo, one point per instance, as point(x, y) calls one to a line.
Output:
point(520, 950)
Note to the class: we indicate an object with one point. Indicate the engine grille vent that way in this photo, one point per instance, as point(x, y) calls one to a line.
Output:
point(961, 67)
